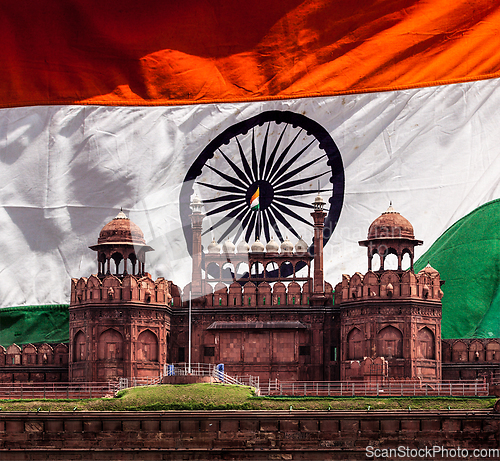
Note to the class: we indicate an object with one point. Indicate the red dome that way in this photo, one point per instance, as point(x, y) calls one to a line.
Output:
point(121, 230)
point(391, 225)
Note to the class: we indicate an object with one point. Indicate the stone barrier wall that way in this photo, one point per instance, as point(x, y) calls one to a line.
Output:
point(253, 435)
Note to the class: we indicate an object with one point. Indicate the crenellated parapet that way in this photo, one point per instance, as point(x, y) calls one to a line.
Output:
point(112, 289)
point(426, 285)
point(251, 294)
point(30, 355)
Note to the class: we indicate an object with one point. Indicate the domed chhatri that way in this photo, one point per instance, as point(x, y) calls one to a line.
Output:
point(301, 246)
point(121, 230)
point(272, 246)
point(390, 225)
point(122, 242)
point(243, 247)
point(228, 247)
point(257, 247)
point(390, 233)
point(214, 247)
point(287, 246)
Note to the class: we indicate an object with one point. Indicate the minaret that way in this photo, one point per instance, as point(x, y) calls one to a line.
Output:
point(196, 225)
point(318, 295)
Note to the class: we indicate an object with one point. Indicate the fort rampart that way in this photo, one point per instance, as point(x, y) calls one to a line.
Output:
point(252, 435)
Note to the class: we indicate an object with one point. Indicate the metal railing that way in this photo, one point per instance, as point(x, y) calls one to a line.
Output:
point(56, 390)
point(211, 370)
point(388, 389)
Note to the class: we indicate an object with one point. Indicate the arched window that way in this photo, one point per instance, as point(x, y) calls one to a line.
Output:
point(257, 270)
point(391, 260)
point(355, 342)
point(376, 262)
point(425, 344)
point(242, 270)
point(79, 349)
point(213, 271)
point(406, 260)
point(110, 345)
point(390, 343)
point(147, 346)
point(227, 271)
point(272, 269)
point(117, 258)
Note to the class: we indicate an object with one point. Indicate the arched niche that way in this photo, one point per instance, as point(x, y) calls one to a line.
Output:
point(29, 354)
point(110, 345)
point(390, 343)
point(426, 344)
point(459, 352)
point(476, 352)
point(493, 351)
point(355, 345)
point(147, 347)
point(79, 347)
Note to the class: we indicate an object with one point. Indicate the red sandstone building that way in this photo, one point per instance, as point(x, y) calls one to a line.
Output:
point(263, 310)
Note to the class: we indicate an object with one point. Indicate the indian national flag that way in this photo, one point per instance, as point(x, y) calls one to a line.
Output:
point(135, 105)
point(254, 201)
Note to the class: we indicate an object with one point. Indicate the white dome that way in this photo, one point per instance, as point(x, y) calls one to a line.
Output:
point(272, 246)
point(301, 246)
point(287, 246)
point(228, 247)
point(243, 247)
point(258, 247)
point(214, 247)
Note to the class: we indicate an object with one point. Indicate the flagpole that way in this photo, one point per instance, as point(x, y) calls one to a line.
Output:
point(189, 334)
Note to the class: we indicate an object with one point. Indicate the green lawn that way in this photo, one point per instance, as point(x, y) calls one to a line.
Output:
point(227, 397)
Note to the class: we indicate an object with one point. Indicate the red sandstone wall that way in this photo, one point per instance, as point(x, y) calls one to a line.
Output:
point(296, 435)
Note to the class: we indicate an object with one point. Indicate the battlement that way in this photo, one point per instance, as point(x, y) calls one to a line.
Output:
point(426, 285)
point(252, 294)
point(32, 355)
point(112, 289)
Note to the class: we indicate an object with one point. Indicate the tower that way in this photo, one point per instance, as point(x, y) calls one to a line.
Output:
point(318, 215)
point(390, 319)
point(119, 317)
point(196, 226)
